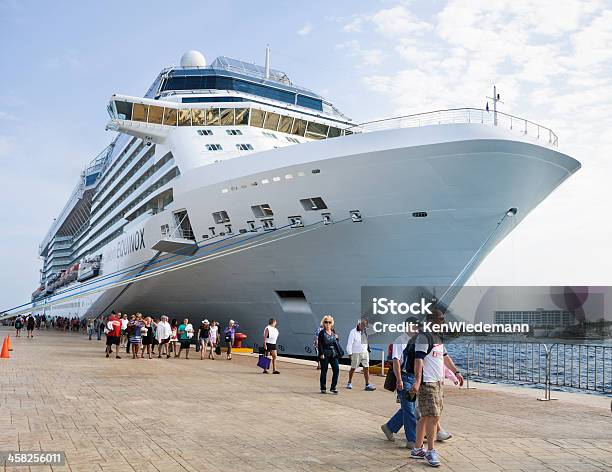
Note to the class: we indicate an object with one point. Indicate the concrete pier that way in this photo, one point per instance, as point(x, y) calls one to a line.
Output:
point(59, 393)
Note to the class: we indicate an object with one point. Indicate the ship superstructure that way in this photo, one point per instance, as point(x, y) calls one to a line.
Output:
point(231, 192)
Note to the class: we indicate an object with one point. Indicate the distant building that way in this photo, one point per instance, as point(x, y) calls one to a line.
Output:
point(539, 318)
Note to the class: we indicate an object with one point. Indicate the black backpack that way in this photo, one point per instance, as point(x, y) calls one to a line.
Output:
point(409, 352)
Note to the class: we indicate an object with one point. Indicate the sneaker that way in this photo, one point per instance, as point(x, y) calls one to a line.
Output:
point(443, 436)
point(276, 372)
point(349, 386)
point(388, 432)
point(334, 391)
point(370, 387)
point(417, 453)
point(324, 391)
point(432, 458)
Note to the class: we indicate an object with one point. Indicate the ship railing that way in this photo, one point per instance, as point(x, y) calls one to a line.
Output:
point(463, 116)
point(168, 231)
point(561, 365)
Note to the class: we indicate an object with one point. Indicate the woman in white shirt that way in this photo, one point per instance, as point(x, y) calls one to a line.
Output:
point(213, 339)
point(270, 337)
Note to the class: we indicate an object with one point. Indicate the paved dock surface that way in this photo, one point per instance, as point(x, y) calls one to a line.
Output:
point(59, 393)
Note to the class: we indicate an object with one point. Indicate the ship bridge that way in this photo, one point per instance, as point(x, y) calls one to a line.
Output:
point(227, 74)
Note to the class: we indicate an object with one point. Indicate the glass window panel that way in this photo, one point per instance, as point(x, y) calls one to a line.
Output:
point(156, 114)
point(170, 116)
point(333, 132)
point(184, 117)
point(285, 124)
point(198, 117)
point(124, 110)
point(310, 102)
point(242, 116)
point(257, 117)
point(314, 136)
point(317, 128)
point(299, 127)
point(139, 112)
point(212, 116)
point(227, 117)
point(272, 120)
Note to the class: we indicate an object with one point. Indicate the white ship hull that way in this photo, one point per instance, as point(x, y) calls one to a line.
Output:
point(465, 177)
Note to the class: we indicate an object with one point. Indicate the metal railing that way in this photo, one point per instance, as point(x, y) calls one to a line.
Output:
point(578, 366)
point(168, 231)
point(463, 115)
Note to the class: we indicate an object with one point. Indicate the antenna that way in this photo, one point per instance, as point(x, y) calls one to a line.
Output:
point(268, 61)
point(495, 99)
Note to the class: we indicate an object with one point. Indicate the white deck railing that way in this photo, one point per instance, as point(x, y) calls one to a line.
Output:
point(463, 115)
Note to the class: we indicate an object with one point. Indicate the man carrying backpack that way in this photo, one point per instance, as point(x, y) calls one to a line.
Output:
point(403, 367)
point(430, 359)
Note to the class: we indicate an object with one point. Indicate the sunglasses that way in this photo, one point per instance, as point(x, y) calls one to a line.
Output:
point(327, 322)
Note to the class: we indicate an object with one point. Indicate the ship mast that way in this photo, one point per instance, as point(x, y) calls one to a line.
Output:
point(268, 61)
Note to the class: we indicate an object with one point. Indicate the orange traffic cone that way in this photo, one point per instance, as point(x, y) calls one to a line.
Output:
point(4, 353)
point(10, 344)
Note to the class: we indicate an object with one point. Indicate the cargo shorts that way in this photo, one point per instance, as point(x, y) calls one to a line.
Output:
point(430, 399)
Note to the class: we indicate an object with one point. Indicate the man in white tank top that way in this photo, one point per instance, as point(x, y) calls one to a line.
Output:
point(270, 338)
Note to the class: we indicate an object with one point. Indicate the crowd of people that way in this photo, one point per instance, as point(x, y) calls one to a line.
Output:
point(143, 335)
point(31, 322)
point(420, 362)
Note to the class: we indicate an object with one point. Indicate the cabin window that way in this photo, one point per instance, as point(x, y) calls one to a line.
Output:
point(212, 116)
point(156, 114)
point(184, 117)
point(124, 110)
point(170, 116)
point(285, 125)
point(257, 117)
point(262, 211)
point(227, 117)
point(198, 117)
point(272, 120)
point(299, 127)
point(139, 112)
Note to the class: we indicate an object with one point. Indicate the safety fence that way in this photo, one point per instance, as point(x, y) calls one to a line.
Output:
point(559, 365)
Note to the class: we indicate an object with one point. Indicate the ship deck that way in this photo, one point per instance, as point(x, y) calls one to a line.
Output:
point(59, 393)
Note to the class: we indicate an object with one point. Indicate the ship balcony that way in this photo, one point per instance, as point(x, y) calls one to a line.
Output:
point(463, 116)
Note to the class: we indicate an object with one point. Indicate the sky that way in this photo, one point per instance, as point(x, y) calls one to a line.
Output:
point(551, 61)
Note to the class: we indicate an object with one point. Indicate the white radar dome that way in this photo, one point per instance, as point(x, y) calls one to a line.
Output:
point(193, 59)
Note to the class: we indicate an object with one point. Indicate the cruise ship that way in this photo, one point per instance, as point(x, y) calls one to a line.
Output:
point(228, 191)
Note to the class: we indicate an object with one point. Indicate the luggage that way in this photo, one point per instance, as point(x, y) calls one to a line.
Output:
point(263, 362)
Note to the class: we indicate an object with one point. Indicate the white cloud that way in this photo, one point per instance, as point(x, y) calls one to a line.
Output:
point(365, 56)
point(354, 26)
point(306, 29)
point(397, 21)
